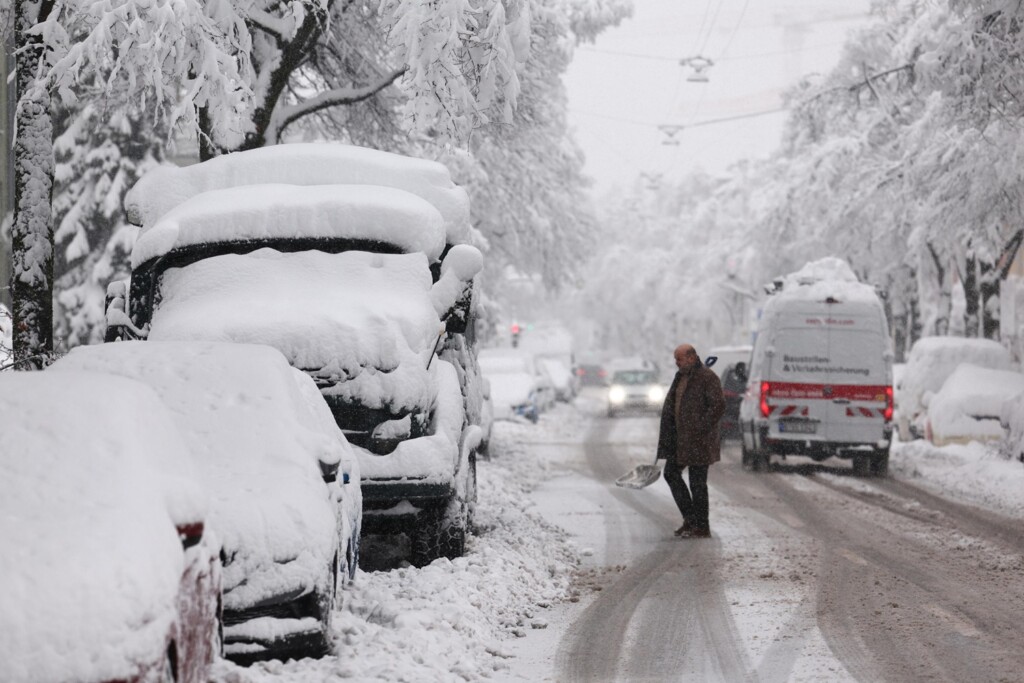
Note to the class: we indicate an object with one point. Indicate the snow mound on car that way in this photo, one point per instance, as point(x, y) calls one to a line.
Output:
point(364, 319)
point(255, 444)
point(969, 405)
point(255, 212)
point(91, 561)
point(824, 279)
point(165, 187)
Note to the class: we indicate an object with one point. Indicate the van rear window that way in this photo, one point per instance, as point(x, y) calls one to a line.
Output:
point(816, 356)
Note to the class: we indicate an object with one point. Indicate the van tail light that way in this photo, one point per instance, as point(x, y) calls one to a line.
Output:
point(887, 414)
point(765, 388)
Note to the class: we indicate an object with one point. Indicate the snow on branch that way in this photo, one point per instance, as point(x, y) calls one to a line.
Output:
point(285, 116)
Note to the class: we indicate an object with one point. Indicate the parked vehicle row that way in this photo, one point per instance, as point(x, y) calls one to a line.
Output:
point(192, 497)
point(354, 264)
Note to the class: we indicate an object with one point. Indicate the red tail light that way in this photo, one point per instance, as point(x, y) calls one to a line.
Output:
point(190, 534)
point(580, 372)
point(765, 388)
point(602, 373)
point(888, 404)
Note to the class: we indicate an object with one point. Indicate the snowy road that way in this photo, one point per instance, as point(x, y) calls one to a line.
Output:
point(811, 575)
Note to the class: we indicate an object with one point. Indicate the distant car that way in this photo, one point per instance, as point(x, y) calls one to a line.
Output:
point(517, 389)
point(731, 368)
point(110, 570)
point(561, 377)
point(284, 482)
point(931, 361)
point(970, 404)
point(592, 375)
point(635, 390)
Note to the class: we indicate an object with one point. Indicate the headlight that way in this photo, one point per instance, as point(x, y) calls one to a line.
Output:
point(616, 394)
point(656, 394)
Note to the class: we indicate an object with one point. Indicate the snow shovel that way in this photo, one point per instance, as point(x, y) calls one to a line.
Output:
point(640, 476)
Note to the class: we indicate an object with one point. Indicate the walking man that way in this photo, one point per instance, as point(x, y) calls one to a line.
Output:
point(688, 439)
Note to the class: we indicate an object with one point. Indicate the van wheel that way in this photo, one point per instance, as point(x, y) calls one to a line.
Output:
point(760, 461)
point(745, 456)
point(862, 465)
point(880, 463)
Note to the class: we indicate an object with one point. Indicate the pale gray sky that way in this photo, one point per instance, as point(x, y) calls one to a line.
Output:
point(630, 82)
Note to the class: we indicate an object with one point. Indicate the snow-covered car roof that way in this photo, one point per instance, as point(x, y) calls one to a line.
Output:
point(256, 446)
point(498, 361)
point(163, 188)
point(89, 497)
point(277, 212)
point(361, 317)
point(827, 278)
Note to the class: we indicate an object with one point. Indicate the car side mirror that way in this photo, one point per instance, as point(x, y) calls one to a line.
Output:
point(710, 360)
point(740, 370)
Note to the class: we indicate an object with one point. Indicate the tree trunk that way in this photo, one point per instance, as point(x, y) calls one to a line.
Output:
point(32, 231)
point(970, 284)
point(940, 324)
point(989, 291)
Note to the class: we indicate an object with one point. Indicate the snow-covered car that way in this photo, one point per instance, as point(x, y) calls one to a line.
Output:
point(635, 390)
point(110, 570)
point(591, 374)
point(561, 376)
point(969, 405)
point(6, 336)
point(931, 361)
point(283, 480)
point(517, 388)
point(353, 263)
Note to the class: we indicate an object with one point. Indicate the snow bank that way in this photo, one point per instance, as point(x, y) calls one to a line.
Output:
point(1012, 418)
point(973, 472)
point(933, 359)
point(256, 446)
point(452, 620)
point(367, 319)
point(165, 187)
point(91, 561)
point(254, 212)
point(969, 405)
point(6, 336)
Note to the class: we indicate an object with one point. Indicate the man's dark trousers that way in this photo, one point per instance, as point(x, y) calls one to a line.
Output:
point(692, 502)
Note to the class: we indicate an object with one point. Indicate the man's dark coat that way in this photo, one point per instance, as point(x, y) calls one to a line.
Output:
point(689, 424)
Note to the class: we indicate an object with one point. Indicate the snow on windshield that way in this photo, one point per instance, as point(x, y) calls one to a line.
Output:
point(364, 318)
point(255, 212)
point(320, 163)
point(92, 561)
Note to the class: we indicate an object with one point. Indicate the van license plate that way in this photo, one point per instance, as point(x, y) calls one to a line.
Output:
point(798, 426)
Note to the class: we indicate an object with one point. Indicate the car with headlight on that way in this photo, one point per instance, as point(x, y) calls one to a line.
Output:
point(635, 391)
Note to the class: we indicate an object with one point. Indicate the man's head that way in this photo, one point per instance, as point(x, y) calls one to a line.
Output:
point(686, 357)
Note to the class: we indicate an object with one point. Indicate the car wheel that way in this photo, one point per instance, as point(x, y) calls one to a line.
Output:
point(760, 461)
point(745, 460)
point(439, 532)
point(612, 413)
point(880, 463)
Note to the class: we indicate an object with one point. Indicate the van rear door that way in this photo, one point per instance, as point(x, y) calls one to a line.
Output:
point(797, 378)
point(858, 377)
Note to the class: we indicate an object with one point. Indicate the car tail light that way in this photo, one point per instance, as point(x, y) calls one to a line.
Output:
point(765, 388)
point(580, 372)
point(190, 534)
point(887, 414)
point(602, 373)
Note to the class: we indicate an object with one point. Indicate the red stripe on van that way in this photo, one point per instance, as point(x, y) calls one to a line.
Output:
point(851, 392)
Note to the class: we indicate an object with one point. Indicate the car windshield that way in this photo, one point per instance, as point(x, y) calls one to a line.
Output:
point(634, 377)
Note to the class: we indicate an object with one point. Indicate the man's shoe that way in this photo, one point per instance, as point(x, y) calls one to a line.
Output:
point(700, 532)
point(685, 529)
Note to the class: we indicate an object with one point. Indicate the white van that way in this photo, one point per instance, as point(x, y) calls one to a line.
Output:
point(820, 376)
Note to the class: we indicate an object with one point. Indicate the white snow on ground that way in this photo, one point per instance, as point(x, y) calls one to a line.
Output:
point(975, 473)
point(452, 620)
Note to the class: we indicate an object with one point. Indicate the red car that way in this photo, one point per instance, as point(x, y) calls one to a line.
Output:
point(108, 574)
